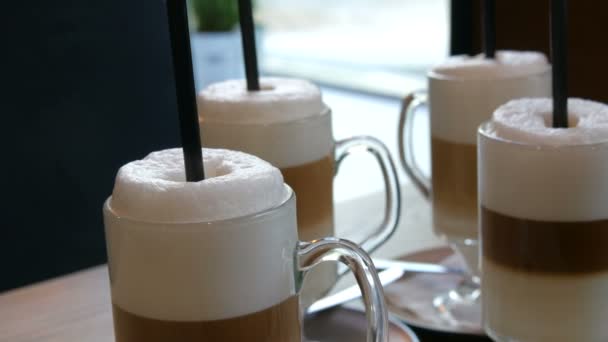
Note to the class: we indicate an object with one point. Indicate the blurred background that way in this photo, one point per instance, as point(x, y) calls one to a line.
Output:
point(377, 46)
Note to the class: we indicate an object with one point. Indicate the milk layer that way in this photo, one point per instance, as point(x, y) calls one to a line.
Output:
point(544, 308)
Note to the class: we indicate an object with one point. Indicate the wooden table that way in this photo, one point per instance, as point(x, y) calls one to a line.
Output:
point(76, 307)
point(71, 308)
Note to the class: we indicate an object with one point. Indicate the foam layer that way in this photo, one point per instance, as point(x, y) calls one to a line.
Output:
point(507, 64)
point(531, 307)
point(237, 184)
point(279, 100)
point(534, 172)
point(181, 267)
point(465, 91)
point(529, 121)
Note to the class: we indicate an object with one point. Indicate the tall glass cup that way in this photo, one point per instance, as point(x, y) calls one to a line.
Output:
point(462, 93)
point(302, 146)
point(544, 225)
point(237, 279)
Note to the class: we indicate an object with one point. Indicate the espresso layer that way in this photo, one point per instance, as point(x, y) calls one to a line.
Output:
point(544, 246)
point(313, 185)
point(279, 323)
point(454, 168)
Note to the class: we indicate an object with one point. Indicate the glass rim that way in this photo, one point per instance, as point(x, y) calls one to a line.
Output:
point(325, 112)
point(482, 131)
point(432, 74)
point(253, 216)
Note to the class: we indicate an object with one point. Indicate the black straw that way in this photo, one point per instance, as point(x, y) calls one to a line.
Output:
point(248, 37)
point(559, 57)
point(184, 89)
point(489, 28)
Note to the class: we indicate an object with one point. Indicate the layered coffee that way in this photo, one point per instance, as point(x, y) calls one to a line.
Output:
point(463, 92)
point(184, 264)
point(287, 124)
point(544, 222)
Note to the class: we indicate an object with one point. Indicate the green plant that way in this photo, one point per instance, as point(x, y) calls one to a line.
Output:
point(215, 15)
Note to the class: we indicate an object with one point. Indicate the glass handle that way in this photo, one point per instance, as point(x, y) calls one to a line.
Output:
point(315, 252)
point(405, 140)
point(392, 210)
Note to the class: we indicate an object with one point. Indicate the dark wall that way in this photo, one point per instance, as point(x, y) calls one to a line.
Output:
point(524, 25)
point(85, 87)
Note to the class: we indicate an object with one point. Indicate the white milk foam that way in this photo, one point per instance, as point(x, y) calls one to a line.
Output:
point(527, 169)
point(507, 64)
point(169, 260)
point(464, 91)
point(527, 305)
point(286, 123)
point(154, 188)
point(529, 121)
point(279, 100)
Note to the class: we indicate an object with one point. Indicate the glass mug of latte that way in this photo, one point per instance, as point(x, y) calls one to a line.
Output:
point(216, 260)
point(543, 199)
point(287, 124)
point(462, 93)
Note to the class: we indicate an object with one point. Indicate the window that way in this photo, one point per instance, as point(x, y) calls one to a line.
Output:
point(381, 46)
